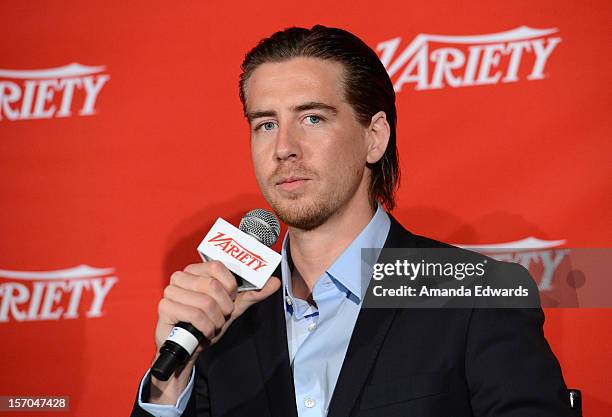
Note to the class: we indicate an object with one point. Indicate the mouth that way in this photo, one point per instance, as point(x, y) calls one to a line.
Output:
point(291, 183)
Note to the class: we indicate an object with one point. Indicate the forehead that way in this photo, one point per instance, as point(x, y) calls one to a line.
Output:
point(298, 80)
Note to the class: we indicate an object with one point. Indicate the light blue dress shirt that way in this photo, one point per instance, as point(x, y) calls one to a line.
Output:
point(317, 336)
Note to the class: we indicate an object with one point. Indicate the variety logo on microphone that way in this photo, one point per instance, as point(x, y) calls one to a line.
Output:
point(540, 257)
point(437, 61)
point(228, 245)
point(241, 253)
point(49, 93)
point(54, 295)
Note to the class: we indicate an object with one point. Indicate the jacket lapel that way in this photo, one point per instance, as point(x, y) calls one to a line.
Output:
point(370, 330)
point(271, 344)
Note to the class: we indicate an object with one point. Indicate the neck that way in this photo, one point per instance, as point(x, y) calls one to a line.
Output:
point(313, 251)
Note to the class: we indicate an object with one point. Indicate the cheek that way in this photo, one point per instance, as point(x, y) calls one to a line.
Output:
point(350, 152)
point(263, 167)
point(343, 163)
point(258, 162)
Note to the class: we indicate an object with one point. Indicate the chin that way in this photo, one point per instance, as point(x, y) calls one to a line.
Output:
point(304, 215)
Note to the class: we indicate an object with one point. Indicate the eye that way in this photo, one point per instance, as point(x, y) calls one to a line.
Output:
point(313, 119)
point(266, 126)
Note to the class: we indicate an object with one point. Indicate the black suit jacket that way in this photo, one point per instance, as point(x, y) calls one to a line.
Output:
point(400, 362)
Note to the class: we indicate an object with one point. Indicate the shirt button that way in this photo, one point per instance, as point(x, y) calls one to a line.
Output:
point(288, 300)
point(309, 402)
point(312, 326)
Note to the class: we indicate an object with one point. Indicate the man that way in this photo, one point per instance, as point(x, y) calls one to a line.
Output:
point(321, 109)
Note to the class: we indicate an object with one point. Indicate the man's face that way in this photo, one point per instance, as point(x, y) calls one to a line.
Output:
point(308, 149)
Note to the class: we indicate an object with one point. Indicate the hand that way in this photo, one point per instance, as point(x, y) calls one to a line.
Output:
point(205, 295)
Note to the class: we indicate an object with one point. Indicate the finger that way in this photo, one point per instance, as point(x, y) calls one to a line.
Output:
point(217, 291)
point(202, 301)
point(217, 270)
point(171, 312)
point(208, 285)
point(188, 281)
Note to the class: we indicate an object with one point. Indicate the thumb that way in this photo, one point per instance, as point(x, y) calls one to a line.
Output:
point(246, 299)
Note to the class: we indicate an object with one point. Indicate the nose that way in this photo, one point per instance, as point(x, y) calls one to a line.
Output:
point(287, 143)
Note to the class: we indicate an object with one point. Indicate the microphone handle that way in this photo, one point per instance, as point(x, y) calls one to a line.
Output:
point(178, 347)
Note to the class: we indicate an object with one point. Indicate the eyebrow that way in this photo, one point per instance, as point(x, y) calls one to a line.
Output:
point(311, 105)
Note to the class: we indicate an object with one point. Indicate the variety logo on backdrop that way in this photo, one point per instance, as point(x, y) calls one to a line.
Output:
point(540, 257)
point(54, 295)
point(47, 93)
point(438, 61)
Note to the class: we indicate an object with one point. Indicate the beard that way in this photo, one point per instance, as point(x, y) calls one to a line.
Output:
point(305, 215)
point(307, 210)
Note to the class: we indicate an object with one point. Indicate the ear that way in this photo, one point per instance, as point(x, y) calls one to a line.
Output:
point(377, 136)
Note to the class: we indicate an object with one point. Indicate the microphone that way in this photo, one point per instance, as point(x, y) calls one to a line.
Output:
point(246, 252)
point(263, 226)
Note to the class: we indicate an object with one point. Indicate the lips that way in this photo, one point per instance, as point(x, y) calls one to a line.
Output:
point(289, 180)
point(291, 183)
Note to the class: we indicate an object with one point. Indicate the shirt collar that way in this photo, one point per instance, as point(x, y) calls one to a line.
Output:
point(346, 269)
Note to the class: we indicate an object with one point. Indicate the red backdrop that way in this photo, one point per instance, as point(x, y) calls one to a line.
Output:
point(123, 162)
